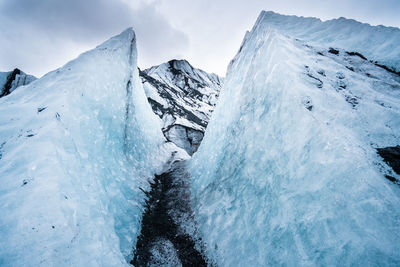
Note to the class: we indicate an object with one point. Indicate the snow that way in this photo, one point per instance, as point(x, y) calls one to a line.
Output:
point(287, 173)
point(188, 124)
point(77, 148)
point(377, 43)
point(183, 91)
point(151, 92)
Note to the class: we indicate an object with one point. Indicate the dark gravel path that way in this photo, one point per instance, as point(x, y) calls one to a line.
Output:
point(168, 219)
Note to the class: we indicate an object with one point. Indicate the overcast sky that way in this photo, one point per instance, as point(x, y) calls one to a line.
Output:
point(38, 36)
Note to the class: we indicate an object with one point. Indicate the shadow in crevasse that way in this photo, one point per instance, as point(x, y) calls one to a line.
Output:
point(167, 234)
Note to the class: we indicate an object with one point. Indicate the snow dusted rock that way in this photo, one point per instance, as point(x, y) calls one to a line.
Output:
point(9, 81)
point(288, 172)
point(184, 137)
point(184, 98)
point(77, 147)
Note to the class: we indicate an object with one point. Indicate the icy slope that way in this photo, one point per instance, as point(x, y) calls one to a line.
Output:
point(9, 81)
point(183, 97)
point(287, 173)
point(76, 148)
point(377, 43)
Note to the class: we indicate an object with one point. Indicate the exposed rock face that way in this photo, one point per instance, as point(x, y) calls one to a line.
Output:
point(184, 137)
point(9, 81)
point(184, 98)
point(391, 155)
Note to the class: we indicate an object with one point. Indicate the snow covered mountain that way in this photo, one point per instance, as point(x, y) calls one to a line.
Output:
point(288, 171)
point(184, 98)
point(9, 81)
point(77, 149)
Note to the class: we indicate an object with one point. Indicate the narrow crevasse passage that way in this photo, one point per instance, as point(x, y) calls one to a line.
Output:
point(168, 228)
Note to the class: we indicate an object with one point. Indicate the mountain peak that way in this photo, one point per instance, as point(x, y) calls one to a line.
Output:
point(119, 41)
point(183, 67)
point(179, 61)
point(9, 81)
point(183, 97)
point(180, 64)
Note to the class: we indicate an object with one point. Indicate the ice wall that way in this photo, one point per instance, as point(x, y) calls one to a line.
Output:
point(76, 148)
point(287, 173)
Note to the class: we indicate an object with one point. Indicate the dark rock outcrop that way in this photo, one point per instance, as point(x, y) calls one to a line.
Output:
point(391, 155)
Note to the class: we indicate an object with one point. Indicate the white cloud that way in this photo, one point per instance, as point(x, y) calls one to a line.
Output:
point(41, 35)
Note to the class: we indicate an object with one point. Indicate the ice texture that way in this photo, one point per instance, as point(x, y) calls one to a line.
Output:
point(377, 43)
point(77, 148)
point(287, 173)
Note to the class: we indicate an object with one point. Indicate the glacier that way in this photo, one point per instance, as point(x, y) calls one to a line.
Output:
point(78, 148)
point(288, 172)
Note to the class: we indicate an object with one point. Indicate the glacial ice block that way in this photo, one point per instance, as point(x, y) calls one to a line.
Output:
point(77, 148)
point(287, 173)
